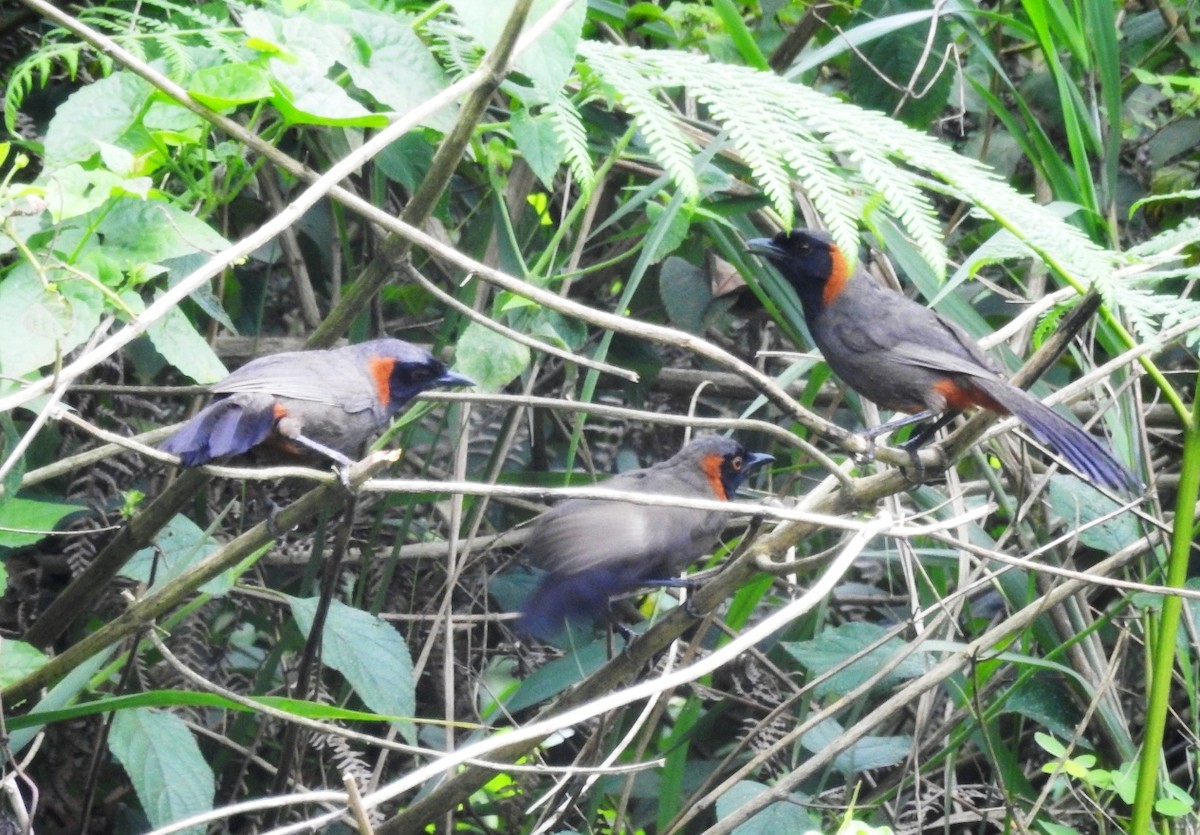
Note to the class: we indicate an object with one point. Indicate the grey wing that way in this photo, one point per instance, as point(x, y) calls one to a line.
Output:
point(305, 375)
point(944, 346)
point(582, 534)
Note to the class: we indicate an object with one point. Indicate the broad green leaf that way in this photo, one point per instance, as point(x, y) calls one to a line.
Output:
point(490, 359)
point(203, 296)
point(547, 63)
point(556, 676)
point(1039, 697)
point(538, 144)
point(1080, 504)
point(673, 236)
point(177, 547)
point(406, 160)
point(60, 695)
point(394, 66)
point(138, 232)
point(551, 326)
point(102, 111)
point(868, 753)
point(17, 660)
point(41, 322)
point(165, 765)
point(778, 818)
point(177, 339)
point(26, 521)
point(369, 653)
point(306, 98)
point(73, 190)
point(228, 85)
point(685, 293)
point(833, 647)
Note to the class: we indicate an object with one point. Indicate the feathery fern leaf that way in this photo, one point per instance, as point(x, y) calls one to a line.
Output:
point(568, 128)
point(622, 72)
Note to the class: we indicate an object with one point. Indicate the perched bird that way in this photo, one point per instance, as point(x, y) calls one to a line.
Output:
point(594, 549)
point(904, 356)
point(301, 405)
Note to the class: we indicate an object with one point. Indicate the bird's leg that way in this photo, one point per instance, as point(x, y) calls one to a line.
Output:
point(688, 583)
point(343, 463)
point(869, 435)
point(913, 445)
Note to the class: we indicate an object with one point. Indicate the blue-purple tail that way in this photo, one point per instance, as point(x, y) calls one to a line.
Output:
point(1083, 452)
point(579, 598)
point(223, 427)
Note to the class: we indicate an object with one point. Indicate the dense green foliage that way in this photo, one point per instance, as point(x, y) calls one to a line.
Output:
point(184, 187)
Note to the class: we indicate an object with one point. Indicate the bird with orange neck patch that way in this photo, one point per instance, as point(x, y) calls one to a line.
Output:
point(596, 549)
point(300, 406)
point(906, 357)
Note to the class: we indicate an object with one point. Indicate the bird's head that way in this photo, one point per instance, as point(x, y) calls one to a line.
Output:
point(724, 462)
point(402, 370)
point(808, 260)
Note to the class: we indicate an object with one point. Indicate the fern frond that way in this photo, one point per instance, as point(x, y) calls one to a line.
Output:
point(568, 128)
point(812, 134)
point(623, 71)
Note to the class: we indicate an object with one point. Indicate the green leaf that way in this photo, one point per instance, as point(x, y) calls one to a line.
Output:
point(775, 819)
point(556, 676)
point(226, 86)
point(395, 66)
point(549, 61)
point(26, 521)
point(538, 143)
point(406, 160)
point(1080, 505)
point(685, 293)
point(369, 653)
point(73, 190)
point(868, 753)
point(17, 660)
point(133, 233)
point(102, 111)
point(179, 545)
point(833, 647)
point(42, 322)
point(177, 339)
point(678, 225)
point(163, 762)
point(490, 359)
point(306, 98)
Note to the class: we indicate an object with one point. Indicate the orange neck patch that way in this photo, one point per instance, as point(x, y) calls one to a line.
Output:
point(381, 372)
point(839, 272)
point(711, 465)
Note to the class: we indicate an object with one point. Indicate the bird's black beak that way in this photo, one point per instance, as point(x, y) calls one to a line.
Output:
point(453, 378)
point(765, 247)
point(754, 459)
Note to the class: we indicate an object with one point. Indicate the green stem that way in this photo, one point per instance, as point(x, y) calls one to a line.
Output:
point(1163, 660)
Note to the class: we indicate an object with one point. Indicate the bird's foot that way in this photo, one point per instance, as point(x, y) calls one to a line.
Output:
point(917, 475)
point(867, 455)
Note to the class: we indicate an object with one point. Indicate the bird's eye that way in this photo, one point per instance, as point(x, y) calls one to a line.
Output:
point(736, 463)
point(804, 248)
point(421, 375)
